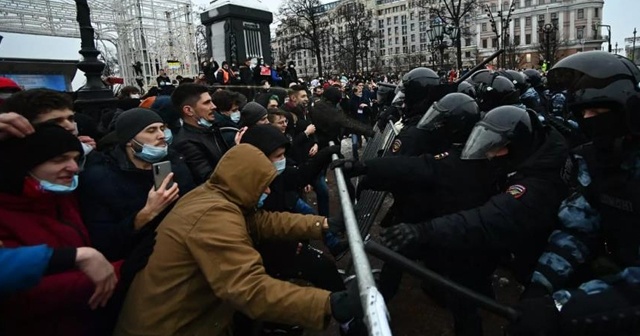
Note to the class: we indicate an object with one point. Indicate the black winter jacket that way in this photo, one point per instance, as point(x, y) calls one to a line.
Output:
point(112, 191)
point(331, 123)
point(202, 149)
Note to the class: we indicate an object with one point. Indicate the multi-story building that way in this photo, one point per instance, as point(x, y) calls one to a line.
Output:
point(402, 40)
point(576, 22)
point(632, 44)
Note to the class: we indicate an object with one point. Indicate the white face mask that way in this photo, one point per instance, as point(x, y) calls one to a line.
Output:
point(134, 96)
point(280, 165)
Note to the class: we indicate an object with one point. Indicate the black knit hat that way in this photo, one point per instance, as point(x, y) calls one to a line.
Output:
point(133, 121)
point(267, 138)
point(21, 155)
point(252, 113)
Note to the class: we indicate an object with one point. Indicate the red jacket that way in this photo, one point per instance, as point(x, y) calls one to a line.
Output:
point(58, 305)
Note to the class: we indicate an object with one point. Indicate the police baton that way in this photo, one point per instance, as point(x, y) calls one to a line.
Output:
point(479, 66)
point(377, 250)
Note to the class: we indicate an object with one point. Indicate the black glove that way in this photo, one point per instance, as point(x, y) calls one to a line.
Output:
point(336, 225)
point(350, 167)
point(345, 305)
point(399, 237)
point(324, 155)
point(539, 317)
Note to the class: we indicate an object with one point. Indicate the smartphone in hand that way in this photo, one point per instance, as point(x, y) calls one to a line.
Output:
point(160, 172)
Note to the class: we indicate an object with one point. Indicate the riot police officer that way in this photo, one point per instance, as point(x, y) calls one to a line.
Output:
point(532, 96)
point(420, 88)
point(495, 91)
point(587, 281)
point(430, 186)
point(515, 221)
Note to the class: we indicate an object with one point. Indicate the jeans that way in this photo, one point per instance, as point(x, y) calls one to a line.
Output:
point(304, 208)
point(322, 194)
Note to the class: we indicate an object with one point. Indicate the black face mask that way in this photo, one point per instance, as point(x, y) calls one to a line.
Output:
point(604, 128)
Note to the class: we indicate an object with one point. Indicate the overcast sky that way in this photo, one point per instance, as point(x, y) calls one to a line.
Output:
point(622, 15)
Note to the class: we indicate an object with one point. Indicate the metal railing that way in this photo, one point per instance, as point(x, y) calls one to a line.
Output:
point(376, 316)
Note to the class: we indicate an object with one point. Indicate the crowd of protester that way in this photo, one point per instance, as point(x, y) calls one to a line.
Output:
point(527, 171)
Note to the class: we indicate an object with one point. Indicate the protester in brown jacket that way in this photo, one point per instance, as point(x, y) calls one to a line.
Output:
point(204, 266)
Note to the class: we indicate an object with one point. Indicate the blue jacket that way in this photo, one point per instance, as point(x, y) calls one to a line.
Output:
point(22, 267)
point(574, 244)
point(111, 193)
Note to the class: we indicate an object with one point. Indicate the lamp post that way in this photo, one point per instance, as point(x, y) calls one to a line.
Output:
point(546, 30)
point(94, 98)
point(437, 34)
point(633, 48)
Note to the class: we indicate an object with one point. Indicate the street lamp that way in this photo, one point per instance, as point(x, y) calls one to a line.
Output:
point(595, 27)
point(547, 30)
point(94, 98)
point(633, 50)
point(503, 34)
point(437, 34)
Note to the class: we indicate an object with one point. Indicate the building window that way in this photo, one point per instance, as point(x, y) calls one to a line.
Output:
point(404, 30)
point(580, 14)
point(413, 27)
point(380, 23)
point(494, 7)
point(467, 42)
point(541, 17)
point(527, 21)
point(389, 31)
point(404, 50)
point(516, 23)
point(396, 30)
point(554, 16)
point(413, 37)
point(397, 50)
point(413, 48)
point(467, 54)
point(484, 43)
point(411, 16)
point(395, 20)
point(516, 40)
point(388, 21)
point(397, 40)
point(484, 27)
point(580, 33)
point(494, 42)
point(403, 19)
point(527, 39)
point(404, 40)
point(596, 12)
point(381, 32)
point(527, 3)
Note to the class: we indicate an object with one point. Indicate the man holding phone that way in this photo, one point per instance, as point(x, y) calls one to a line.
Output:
point(119, 200)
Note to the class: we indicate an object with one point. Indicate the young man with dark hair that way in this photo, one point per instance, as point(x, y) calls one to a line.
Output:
point(199, 140)
point(40, 106)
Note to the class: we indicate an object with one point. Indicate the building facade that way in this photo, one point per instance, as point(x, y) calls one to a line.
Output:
point(402, 40)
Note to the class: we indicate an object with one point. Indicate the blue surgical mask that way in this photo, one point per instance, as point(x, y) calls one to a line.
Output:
point(235, 116)
point(261, 200)
point(151, 154)
point(59, 188)
point(203, 122)
point(168, 136)
point(280, 165)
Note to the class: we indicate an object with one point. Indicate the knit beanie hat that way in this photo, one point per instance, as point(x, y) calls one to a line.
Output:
point(21, 155)
point(267, 138)
point(252, 113)
point(133, 121)
point(332, 94)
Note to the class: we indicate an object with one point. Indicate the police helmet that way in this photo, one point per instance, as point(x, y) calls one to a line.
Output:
point(599, 79)
point(534, 79)
point(498, 92)
point(467, 88)
point(385, 94)
point(416, 84)
point(504, 126)
point(398, 99)
point(483, 76)
point(517, 78)
point(456, 114)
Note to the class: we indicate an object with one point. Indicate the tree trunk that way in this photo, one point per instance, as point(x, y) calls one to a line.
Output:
point(318, 59)
point(459, 45)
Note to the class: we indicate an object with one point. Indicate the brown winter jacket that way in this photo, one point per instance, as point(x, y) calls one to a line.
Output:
point(204, 266)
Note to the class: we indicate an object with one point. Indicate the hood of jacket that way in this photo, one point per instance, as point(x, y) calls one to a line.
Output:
point(242, 175)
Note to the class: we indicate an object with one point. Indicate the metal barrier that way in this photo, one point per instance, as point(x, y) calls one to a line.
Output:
point(375, 310)
point(369, 202)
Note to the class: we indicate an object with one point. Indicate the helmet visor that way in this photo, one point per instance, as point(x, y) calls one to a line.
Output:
point(398, 100)
point(433, 118)
point(483, 143)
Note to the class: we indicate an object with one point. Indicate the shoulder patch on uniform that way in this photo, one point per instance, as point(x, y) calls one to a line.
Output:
point(441, 156)
point(516, 190)
point(395, 147)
